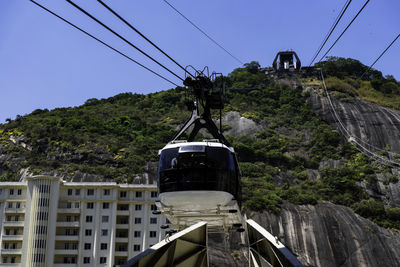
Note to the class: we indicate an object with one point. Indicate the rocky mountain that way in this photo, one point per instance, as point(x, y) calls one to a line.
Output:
point(332, 235)
point(305, 179)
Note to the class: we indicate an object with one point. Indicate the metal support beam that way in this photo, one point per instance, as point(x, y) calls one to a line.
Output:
point(185, 248)
point(267, 250)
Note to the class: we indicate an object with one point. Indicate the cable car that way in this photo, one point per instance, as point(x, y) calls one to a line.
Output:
point(200, 180)
point(284, 62)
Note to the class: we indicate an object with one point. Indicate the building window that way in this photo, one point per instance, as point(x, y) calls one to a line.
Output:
point(12, 260)
point(138, 194)
point(86, 260)
point(103, 246)
point(88, 232)
point(103, 260)
point(104, 219)
point(88, 246)
point(106, 205)
point(10, 205)
point(153, 194)
point(11, 191)
point(138, 207)
point(136, 247)
point(19, 192)
point(89, 218)
point(106, 192)
point(69, 205)
point(90, 192)
point(153, 220)
point(18, 205)
point(77, 192)
point(137, 233)
point(5, 259)
point(43, 202)
point(44, 188)
point(138, 220)
point(41, 229)
point(153, 233)
point(69, 192)
point(89, 205)
point(42, 216)
point(122, 194)
point(40, 243)
point(104, 232)
point(1, 191)
point(153, 207)
point(76, 205)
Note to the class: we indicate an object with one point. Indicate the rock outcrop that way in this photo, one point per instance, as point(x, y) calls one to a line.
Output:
point(331, 235)
point(376, 128)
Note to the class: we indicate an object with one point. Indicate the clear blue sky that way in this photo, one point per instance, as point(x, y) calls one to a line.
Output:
point(45, 63)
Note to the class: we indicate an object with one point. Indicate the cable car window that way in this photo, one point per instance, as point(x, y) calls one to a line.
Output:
point(198, 149)
point(168, 158)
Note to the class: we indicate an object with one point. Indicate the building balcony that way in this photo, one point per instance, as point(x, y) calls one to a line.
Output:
point(67, 224)
point(15, 210)
point(121, 239)
point(17, 251)
point(65, 265)
point(14, 223)
point(68, 210)
point(67, 237)
point(122, 226)
point(12, 237)
point(122, 212)
point(66, 251)
point(10, 264)
point(121, 253)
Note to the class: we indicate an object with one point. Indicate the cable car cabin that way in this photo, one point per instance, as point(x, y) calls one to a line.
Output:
point(284, 62)
point(199, 181)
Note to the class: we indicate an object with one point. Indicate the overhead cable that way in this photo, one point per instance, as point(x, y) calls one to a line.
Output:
point(142, 35)
point(198, 28)
point(122, 38)
point(100, 41)
point(330, 48)
point(387, 48)
point(333, 27)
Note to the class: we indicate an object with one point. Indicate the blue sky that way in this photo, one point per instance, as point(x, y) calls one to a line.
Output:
point(45, 63)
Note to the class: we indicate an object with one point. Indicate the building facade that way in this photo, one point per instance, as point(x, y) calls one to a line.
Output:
point(45, 221)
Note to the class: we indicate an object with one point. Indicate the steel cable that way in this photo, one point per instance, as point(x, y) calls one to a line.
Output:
point(121, 37)
point(102, 42)
point(142, 35)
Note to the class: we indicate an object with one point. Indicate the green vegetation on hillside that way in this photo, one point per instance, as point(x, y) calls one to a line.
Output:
point(343, 79)
point(115, 137)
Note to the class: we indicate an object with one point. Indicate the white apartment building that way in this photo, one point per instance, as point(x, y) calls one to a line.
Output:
point(45, 221)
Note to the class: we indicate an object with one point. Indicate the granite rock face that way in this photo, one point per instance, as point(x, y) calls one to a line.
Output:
point(332, 235)
point(240, 126)
point(376, 128)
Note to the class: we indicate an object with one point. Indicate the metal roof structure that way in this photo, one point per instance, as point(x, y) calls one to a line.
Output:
point(185, 248)
point(267, 250)
point(189, 248)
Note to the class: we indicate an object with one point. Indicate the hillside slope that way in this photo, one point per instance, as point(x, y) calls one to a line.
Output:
point(293, 161)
